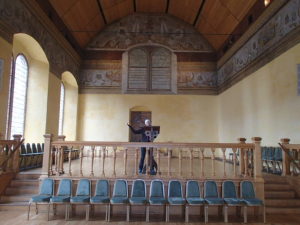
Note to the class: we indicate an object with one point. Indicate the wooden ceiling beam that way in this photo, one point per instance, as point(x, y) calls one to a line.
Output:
point(101, 11)
point(167, 6)
point(134, 5)
point(199, 12)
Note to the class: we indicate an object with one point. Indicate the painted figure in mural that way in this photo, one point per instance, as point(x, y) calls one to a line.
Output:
point(145, 138)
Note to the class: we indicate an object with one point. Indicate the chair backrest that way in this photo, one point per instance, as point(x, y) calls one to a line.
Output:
point(47, 187)
point(65, 187)
point(102, 188)
point(228, 189)
point(39, 147)
point(247, 189)
point(192, 189)
point(174, 189)
point(157, 188)
point(83, 187)
point(23, 149)
point(34, 149)
point(210, 189)
point(28, 148)
point(278, 154)
point(120, 188)
point(138, 189)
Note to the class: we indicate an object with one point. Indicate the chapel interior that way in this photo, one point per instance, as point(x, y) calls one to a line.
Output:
point(219, 78)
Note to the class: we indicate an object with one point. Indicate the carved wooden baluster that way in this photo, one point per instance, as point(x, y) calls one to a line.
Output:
point(147, 161)
point(191, 162)
point(61, 160)
point(114, 162)
point(92, 163)
point(136, 161)
point(70, 160)
point(180, 162)
point(57, 160)
point(224, 161)
point(169, 162)
point(51, 161)
point(103, 160)
point(81, 158)
point(234, 161)
point(213, 150)
point(246, 151)
point(202, 162)
point(125, 162)
point(158, 161)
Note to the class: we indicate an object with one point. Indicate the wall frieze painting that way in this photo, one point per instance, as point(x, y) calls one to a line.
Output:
point(15, 14)
point(283, 22)
point(150, 29)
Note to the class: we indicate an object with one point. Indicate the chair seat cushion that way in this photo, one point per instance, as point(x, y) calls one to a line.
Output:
point(234, 201)
point(214, 201)
point(157, 201)
point(195, 201)
point(80, 199)
point(119, 200)
point(100, 199)
point(40, 198)
point(253, 201)
point(60, 199)
point(138, 200)
point(176, 201)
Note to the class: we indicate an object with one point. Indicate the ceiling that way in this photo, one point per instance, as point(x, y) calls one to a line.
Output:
point(216, 20)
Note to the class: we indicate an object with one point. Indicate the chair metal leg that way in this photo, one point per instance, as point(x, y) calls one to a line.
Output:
point(36, 209)
point(87, 211)
point(206, 213)
point(66, 212)
point(245, 214)
point(28, 210)
point(54, 209)
point(147, 213)
point(106, 211)
point(48, 211)
point(108, 214)
point(167, 212)
point(186, 213)
point(225, 213)
point(128, 212)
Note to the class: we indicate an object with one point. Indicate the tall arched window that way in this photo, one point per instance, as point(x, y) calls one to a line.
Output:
point(19, 93)
point(61, 109)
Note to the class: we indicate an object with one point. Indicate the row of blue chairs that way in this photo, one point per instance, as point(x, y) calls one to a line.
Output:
point(31, 156)
point(272, 159)
point(120, 196)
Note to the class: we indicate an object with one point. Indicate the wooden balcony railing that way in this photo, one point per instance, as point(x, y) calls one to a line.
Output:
point(175, 160)
point(290, 158)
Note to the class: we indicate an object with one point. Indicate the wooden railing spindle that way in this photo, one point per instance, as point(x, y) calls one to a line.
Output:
point(224, 161)
point(92, 163)
point(213, 162)
point(125, 162)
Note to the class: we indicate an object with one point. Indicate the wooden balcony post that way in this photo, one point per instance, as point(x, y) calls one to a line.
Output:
point(241, 157)
point(213, 162)
point(286, 164)
point(158, 161)
point(125, 161)
point(70, 162)
point(234, 161)
point(257, 157)
point(16, 156)
point(136, 161)
point(202, 162)
point(47, 155)
point(169, 162)
point(114, 160)
point(103, 159)
point(92, 163)
point(224, 161)
point(191, 162)
point(62, 155)
point(180, 162)
point(81, 158)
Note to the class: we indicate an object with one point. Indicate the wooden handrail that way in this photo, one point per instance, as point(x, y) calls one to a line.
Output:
point(286, 148)
point(16, 145)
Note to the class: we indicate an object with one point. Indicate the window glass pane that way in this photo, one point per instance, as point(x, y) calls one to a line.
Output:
point(61, 109)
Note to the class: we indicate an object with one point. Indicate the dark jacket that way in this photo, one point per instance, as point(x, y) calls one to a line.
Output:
point(140, 131)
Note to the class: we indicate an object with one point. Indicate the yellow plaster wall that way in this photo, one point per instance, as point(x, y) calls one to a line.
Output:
point(264, 104)
point(182, 118)
point(5, 54)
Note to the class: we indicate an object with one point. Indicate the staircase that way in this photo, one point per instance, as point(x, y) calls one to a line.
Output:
point(280, 198)
point(19, 192)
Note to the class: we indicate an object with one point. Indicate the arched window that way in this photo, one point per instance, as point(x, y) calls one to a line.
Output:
point(61, 109)
point(19, 93)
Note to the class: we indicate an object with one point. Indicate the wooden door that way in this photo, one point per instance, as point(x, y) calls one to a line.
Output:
point(137, 120)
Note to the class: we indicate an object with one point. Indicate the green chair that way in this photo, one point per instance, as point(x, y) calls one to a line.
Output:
point(139, 195)
point(193, 197)
point(83, 194)
point(101, 196)
point(63, 196)
point(44, 196)
point(120, 196)
point(249, 198)
point(157, 195)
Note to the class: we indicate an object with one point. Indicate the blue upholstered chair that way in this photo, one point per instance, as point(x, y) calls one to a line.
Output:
point(120, 196)
point(101, 196)
point(44, 196)
point(193, 197)
point(139, 195)
point(211, 196)
point(63, 196)
point(231, 199)
point(157, 194)
point(249, 197)
point(175, 196)
point(83, 194)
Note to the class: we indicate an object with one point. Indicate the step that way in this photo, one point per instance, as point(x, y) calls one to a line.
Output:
point(14, 206)
point(279, 210)
point(275, 179)
point(24, 183)
point(22, 190)
point(277, 187)
point(279, 194)
point(33, 176)
point(282, 202)
point(15, 198)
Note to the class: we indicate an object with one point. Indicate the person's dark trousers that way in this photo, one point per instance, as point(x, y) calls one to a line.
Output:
point(142, 159)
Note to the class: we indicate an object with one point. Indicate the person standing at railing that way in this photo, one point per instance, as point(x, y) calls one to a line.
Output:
point(145, 138)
